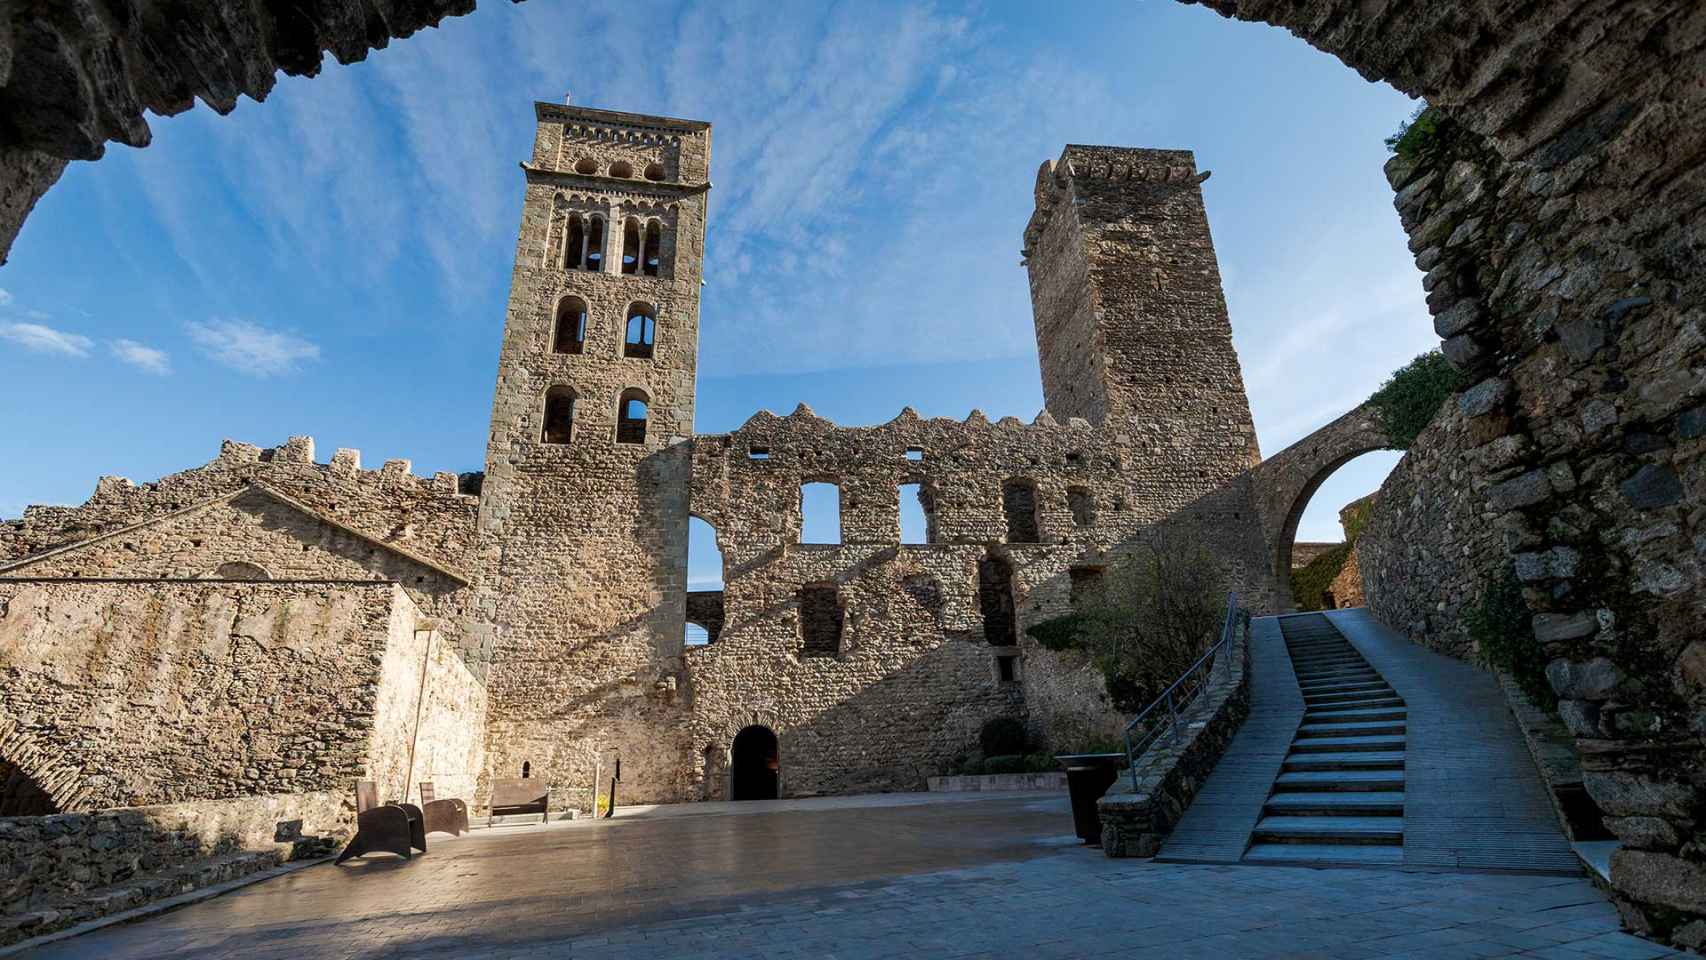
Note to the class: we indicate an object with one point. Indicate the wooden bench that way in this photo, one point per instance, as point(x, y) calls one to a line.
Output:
point(525, 795)
point(442, 816)
point(397, 828)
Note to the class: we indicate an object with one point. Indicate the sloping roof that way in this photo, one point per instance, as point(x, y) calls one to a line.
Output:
point(260, 488)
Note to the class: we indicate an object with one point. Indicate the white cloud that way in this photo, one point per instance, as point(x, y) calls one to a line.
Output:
point(5, 297)
point(140, 355)
point(45, 339)
point(250, 348)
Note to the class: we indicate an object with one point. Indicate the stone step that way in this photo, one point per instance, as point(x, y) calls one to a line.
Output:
point(1350, 728)
point(1371, 703)
point(1327, 660)
point(1343, 673)
point(1348, 744)
point(1361, 713)
point(1352, 760)
point(1349, 830)
point(1344, 686)
point(1344, 696)
point(1339, 781)
point(1305, 854)
point(1341, 804)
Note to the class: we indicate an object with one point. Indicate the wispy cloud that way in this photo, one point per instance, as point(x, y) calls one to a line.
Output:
point(142, 356)
point(5, 297)
point(248, 347)
point(45, 339)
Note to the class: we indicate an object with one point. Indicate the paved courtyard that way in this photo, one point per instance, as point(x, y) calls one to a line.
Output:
point(905, 875)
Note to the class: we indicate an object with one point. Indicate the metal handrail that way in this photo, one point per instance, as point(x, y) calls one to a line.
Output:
point(1179, 695)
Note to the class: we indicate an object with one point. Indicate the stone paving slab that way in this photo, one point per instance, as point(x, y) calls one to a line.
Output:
point(860, 880)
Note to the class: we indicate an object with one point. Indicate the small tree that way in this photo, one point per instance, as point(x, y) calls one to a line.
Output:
point(1161, 607)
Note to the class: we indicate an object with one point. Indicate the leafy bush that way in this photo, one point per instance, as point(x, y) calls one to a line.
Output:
point(1309, 582)
point(1418, 134)
point(1502, 628)
point(1161, 608)
point(1408, 400)
point(1003, 736)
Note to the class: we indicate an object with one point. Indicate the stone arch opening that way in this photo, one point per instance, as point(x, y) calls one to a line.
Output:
point(640, 334)
point(559, 420)
point(755, 764)
point(1287, 559)
point(632, 409)
point(21, 795)
point(239, 570)
point(570, 335)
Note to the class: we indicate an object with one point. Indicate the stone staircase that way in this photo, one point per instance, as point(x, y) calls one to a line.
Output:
point(1339, 797)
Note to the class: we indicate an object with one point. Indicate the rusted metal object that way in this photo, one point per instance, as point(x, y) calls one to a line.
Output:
point(393, 827)
point(449, 815)
point(526, 795)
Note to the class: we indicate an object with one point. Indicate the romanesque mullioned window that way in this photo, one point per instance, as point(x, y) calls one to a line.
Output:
point(570, 336)
point(1019, 503)
point(641, 333)
point(583, 242)
point(995, 601)
point(559, 415)
point(821, 615)
point(631, 412)
point(1083, 505)
point(631, 246)
point(651, 253)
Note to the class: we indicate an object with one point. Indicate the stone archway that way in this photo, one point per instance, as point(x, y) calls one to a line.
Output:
point(33, 781)
point(755, 764)
point(1283, 484)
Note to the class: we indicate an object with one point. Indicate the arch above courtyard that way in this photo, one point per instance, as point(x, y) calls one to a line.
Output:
point(33, 772)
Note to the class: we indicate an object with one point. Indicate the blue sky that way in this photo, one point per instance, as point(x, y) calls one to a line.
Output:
point(335, 261)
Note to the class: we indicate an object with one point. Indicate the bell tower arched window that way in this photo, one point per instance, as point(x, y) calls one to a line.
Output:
point(631, 412)
point(631, 246)
point(570, 336)
point(651, 256)
point(641, 332)
point(595, 244)
point(574, 243)
point(559, 415)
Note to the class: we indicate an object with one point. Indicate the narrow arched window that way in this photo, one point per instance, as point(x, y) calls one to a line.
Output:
point(651, 256)
point(631, 246)
point(641, 332)
point(631, 413)
point(571, 326)
point(559, 415)
point(574, 243)
point(595, 244)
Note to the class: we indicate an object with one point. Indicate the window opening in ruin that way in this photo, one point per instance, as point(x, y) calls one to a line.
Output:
point(1007, 668)
point(571, 326)
point(240, 570)
point(915, 525)
point(631, 416)
point(586, 166)
point(1019, 503)
point(755, 765)
point(595, 244)
point(704, 584)
point(1087, 585)
point(631, 246)
point(526, 769)
point(654, 171)
point(915, 454)
point(622, 168)
point(995, 601)
point(1083, 505)
point(821, 615)
point(21, 795)
point(642, 330)
point(559, 415)
point(697, 636)
point(652, 253)
point(820, 512)
point(758, 453)
point(574, 243)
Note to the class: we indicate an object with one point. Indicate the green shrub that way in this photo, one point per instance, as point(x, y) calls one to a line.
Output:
point(1416, 135)
point(1408, 400)
point(1058, 633)
point(1003, 736)
point(1502, 628)
point(1309, 582)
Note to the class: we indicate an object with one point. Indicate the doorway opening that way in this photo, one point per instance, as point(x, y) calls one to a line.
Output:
point(755, 765)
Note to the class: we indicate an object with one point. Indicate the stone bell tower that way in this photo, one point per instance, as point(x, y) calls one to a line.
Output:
point(583, 512)
point(1132, 329)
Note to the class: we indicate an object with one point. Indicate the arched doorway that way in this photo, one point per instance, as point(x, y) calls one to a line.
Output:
point(755, 765)
point(21, 795)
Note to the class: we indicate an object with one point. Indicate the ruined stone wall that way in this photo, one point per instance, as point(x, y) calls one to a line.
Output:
point(585, 569)
point(167, 691)
point(1563, 235)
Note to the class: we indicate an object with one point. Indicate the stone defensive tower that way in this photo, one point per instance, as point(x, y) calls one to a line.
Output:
point(587, 465)
point(1132, 329)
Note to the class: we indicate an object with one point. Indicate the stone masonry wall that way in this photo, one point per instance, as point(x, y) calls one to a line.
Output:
point(1431, 544)
point(162, 691)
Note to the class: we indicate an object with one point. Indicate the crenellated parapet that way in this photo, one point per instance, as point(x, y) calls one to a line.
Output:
point(428, 516)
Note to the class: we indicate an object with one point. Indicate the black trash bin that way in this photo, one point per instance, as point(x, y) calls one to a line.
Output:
point(1088, 776)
